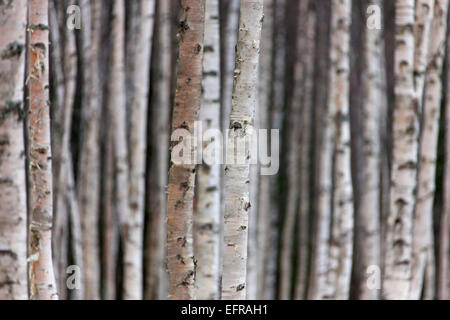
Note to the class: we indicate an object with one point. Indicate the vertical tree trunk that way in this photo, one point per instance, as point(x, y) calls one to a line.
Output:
point(442, 277)
point(155, 252)
point(41, 275)
point(264, 99)
point(373, 79)
point(323, 170)
point(13, 208)
point(89, 178)
point(237, 201)
point(181, 262)
point(138, 149)
point(207, 217)
point(423, 216)
point(307, 55)
point(397, 271)
point(341, 243)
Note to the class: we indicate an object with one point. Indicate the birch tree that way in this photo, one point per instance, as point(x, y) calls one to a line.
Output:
point(13, 201)
point(155, 255)
point(182, 175)
point(423, 215)
point(398, 251)
point(138, 150)
point(207, 215)
point(41, 276)
point(88, 180)
point(237, 201)
point(374, 99)
point(341, 243)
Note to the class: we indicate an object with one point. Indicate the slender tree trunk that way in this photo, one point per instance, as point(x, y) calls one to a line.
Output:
point(41, 275)
point(89, 178)
point(264, 99)
point(323, 170)
point(181, 261)
point(138, 149)
point(237, 200)
point(422, 27)
point(13, 208)
point(307, 50)
point(373, 79)
point(207, 217)
point(341, 243)
point(423, 216)
point(155, 255)
point(442, 277)
point(397, 271)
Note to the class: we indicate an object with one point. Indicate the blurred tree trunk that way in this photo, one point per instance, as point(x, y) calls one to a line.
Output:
point(307, 52)
point(398, 250)
point(237, 176)
point(208, 209)
point(443, 267)
point(264, 100)
point(41, 275)
point(423, 216)
point(181, 261)
point(323, 154)
point(138, 149)
point(374, 100)
point(13, 208)
point(89, 177)
point(155, 253)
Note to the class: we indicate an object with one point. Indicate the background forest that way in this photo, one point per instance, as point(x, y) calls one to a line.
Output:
point(93, 205)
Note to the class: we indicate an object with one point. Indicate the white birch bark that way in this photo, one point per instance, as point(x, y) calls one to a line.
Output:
point(423, 215)
point(207, 215)
point(138, 149)
point(237, 201)
point(13, 199)
point(341, 243)
point(398, 250)
point(374, 100)
point(41, 274)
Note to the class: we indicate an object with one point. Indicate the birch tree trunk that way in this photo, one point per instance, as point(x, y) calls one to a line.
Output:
point(423, 215)
point(398, 251)
point(323, 169)
point(208, 211)
point(89, 178)
point(373, 79)
point(182, 176)
point(422, 27)
point(308, 55)
point(237, 201)
point(341, 243)
point(41, 275)
point(138, 149)
point(264, 96)
point(13, 208)
point(442, 277)
point(155, 255)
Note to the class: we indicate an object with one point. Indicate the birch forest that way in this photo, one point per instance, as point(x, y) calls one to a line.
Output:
point(224, 149)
